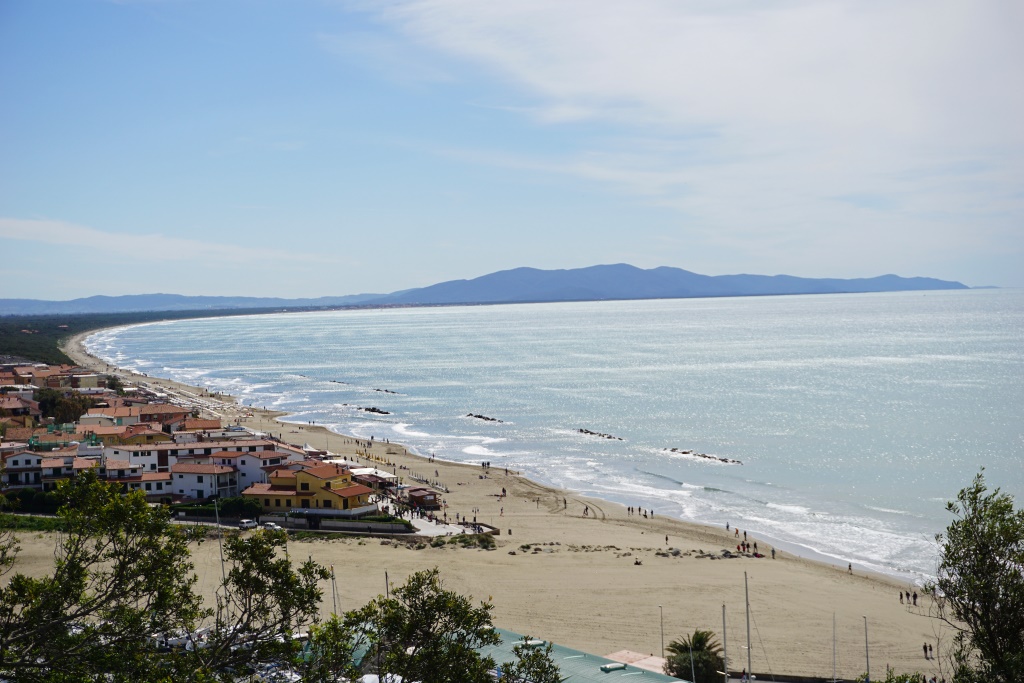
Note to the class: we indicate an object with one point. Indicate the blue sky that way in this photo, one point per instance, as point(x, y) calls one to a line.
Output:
point(307, 148)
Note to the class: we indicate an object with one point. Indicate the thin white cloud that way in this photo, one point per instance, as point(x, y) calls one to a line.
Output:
point(919, 67)
point(808, 131)
point(154, 246)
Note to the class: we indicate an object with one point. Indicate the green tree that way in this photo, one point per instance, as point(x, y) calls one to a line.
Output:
point(331, 654)
point(240, 506)
point(123, 586)
point(121, 573)
point(115, 384)
point(263, 603)
point(63, 408)
point(706, 659)
point(980, 585)
point(532, 665)
point(424, 632)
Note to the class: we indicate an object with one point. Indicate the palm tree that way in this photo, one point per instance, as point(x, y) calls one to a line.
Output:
point(707, 657)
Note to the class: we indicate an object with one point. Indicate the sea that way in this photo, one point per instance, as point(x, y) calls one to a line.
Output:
point(835, 426)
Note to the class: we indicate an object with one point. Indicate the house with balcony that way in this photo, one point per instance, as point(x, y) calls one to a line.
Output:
point(120, 471)
point(159, 457)
point(201, 481)
point(56, 468)
point(318, 490)
point(252, 467)
point(22, 470)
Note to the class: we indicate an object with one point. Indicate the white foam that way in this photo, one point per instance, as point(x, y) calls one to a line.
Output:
point(795, 509)
point(403, 429)
point(480, 451)
point(891, 511)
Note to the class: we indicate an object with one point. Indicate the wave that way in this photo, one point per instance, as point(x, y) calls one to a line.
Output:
point(403, 429)
point(482, 451)
point(793, 509)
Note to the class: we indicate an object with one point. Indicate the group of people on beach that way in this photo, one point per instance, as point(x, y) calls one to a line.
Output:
point(639, 511)
point(909, 596)
point(744, 546)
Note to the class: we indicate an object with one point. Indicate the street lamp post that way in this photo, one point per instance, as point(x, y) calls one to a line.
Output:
point(661, 613)
point(693, 675)
point(867, 655)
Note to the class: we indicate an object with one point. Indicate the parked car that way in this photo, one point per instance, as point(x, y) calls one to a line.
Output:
point(246, 524)
point(271, 526)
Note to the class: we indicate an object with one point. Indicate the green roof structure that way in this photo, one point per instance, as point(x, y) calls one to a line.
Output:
point(575, 666)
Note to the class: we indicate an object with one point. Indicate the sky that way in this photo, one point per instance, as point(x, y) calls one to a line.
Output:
point(325, 147)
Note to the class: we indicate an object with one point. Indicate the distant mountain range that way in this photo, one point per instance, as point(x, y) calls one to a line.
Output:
point(596, 283)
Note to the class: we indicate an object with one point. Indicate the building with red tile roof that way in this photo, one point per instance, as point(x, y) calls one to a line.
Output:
point(319, 490)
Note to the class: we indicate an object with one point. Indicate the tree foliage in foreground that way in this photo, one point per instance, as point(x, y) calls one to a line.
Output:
point(980, 585)
point(121, 572)
point(532, 665)
point(426, 633)
point(706, 655)
point(423, 632)
point(120, 605)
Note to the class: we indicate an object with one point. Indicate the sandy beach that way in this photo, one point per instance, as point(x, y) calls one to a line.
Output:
point(572, 578)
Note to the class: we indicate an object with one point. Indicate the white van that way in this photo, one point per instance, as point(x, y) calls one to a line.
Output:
point(246, 524)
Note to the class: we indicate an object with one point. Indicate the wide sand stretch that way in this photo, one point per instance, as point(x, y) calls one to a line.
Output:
point(583, 588)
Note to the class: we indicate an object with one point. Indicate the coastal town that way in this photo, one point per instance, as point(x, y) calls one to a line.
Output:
point(175, 448)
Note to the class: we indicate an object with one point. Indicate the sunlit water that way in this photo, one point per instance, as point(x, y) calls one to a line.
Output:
point(855, 416)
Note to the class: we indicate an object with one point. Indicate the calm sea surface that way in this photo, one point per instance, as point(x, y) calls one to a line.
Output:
point(855, 416)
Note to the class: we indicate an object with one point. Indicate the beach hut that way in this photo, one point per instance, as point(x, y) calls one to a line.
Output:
point(423, 498)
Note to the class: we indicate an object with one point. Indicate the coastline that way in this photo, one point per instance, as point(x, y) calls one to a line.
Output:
point(609, 603)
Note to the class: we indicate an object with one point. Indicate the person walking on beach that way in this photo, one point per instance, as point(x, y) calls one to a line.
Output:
point(925, 648)
point(901, 597)
point(773, 553)
point(915, 598)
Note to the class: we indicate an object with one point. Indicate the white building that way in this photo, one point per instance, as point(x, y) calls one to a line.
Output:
point(195, 480)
